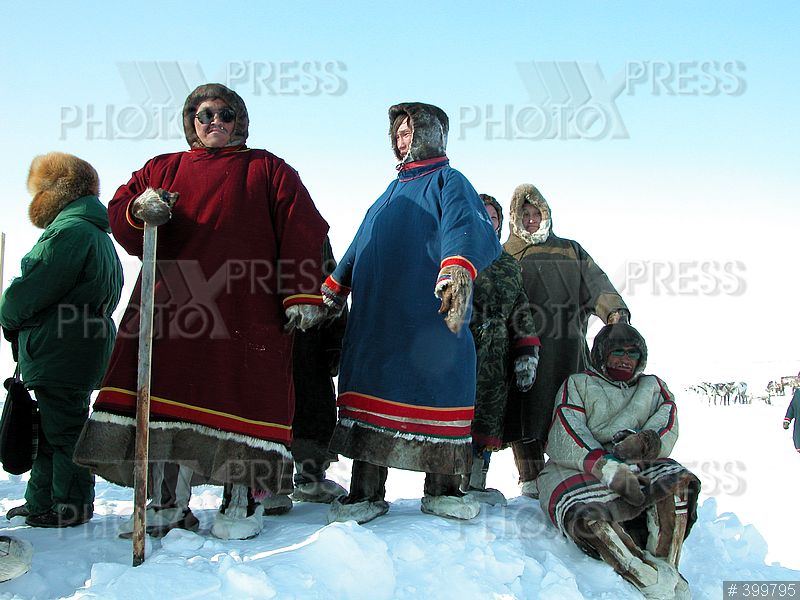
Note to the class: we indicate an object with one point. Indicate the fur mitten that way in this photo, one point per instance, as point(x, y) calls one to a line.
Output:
point(645, 445)
point(621, 315)
point(454, 289)
point(621, 478)
point(304, 316)
point(334, 295)
point(525, 370)
point(154, 206)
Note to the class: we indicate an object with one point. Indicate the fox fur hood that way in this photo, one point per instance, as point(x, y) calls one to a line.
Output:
point(528, 194)
point(210, 91)
point(612, 337)
point(430, 126)
point(492, 201)
point(56, 179)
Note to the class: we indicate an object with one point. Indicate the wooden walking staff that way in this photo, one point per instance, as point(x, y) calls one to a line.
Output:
point(143, 392)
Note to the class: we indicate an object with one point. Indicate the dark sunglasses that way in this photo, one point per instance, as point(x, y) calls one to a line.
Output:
point(226, 115)
point(634, 354)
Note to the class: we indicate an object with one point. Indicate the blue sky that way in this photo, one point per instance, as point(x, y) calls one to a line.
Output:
point(699, 178)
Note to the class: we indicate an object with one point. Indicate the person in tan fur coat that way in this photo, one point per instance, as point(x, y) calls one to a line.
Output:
point(58, 314)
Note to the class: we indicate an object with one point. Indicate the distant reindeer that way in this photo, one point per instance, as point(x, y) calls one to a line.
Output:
point(709, 390)
point(722, 393)
point(741, 393)
point(793, 381)
point(774, 388)
point(726, 390)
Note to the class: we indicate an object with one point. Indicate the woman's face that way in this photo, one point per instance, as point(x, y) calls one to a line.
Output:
point(403, 137)
point(492, 211)
point(531, 218)
point(625, 359)
point(216, 133)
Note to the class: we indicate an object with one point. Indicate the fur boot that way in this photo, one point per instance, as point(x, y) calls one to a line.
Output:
point(666, 525)
point(279, 504)
point(169, 507)
point(654, 577)
point(490, 496)
point(160, 521)
point(15, 557)
point(530, 489)
point(240, 517)
point(477, 485)
point(360, 512)
point(451, 507)
point(324, 492)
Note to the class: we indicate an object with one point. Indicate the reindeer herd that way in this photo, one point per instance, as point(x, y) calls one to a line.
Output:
point(723, 394)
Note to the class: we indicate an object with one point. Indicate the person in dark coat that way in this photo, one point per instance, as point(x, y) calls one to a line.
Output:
point(59, 310)
point(407, 380)
point(565, 288)
point(239, 264)
point(507, 350)
point(793, 414)
point(316, 355)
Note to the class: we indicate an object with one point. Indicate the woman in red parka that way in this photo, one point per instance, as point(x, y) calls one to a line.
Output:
point(239, 260)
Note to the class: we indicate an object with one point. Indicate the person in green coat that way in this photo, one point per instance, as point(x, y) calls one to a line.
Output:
point(58, 316)
point(507, 351)
point(565, 288)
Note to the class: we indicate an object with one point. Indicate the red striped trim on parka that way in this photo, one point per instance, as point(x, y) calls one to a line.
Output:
point(453, 422)
point(116, 399)
point(461, 262)
point(294, 299)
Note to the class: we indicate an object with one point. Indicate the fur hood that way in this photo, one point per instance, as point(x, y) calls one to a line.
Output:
point(492, 201)
point(55, 180)
point(615, 336)
point(528, 194)
point(430, 125)
point(210, 91)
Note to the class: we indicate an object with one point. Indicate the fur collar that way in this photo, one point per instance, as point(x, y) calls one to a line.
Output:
point(430, 126)
point(209, 91)
point(55, 180)
point(528, 194)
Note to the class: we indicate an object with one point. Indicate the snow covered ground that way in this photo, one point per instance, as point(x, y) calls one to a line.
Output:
point(747, 529)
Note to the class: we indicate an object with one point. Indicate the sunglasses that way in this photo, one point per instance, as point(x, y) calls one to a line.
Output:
point(226, 115)
point(634, 354)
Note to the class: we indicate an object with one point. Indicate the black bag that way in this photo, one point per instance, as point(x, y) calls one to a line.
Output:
point(19, 427)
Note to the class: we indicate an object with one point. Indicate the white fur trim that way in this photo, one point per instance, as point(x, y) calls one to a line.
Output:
point(406, 436)
point(104, 417)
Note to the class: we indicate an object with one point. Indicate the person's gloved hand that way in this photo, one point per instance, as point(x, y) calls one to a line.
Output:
point(154, 207)
point(644, 445)
point(786, 423)
point(304, 316)
point(525, 370)
point(453, 288)
point(621, 478)
point(334, 296)
point(621, 315)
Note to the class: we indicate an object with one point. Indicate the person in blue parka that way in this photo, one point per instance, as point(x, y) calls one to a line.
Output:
point(407, 378)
